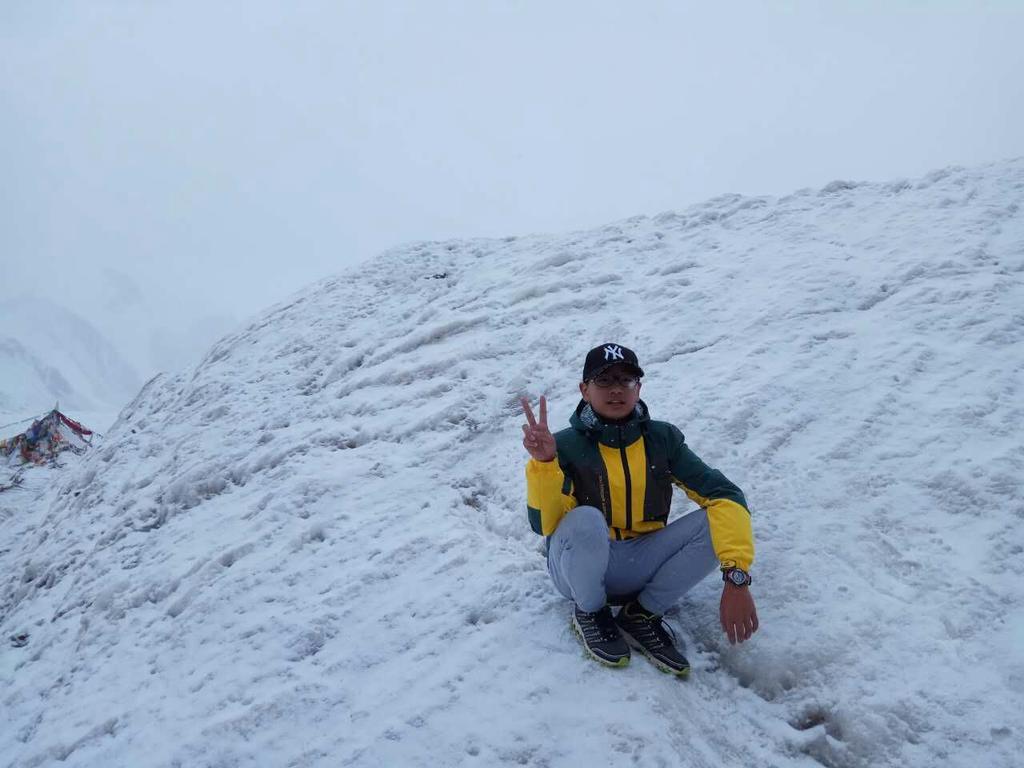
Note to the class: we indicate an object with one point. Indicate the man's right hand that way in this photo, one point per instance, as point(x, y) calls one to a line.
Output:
point(537, 439)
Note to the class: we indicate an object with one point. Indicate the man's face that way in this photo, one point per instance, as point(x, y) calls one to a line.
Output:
point(615, 401)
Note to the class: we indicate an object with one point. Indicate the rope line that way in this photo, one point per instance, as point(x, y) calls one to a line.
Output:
point(22, 421)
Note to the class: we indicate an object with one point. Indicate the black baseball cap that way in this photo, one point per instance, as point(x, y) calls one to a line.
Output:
point(605, 356)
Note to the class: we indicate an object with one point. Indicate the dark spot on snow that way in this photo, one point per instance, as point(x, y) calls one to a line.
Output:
point(308, 643)
point(230, 557)
point(154, 518)
point(19, 640)
point(215, 414)
point(340, 442)
point(840, 185)
point(810, 719)
point(816, 715)
point(476, 617)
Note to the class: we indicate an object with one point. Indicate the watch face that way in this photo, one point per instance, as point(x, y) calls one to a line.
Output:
point(737, 577)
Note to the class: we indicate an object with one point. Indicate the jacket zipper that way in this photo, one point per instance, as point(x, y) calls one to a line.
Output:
point(629, 483)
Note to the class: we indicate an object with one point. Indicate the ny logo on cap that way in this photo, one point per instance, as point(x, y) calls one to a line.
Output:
point(613, 352)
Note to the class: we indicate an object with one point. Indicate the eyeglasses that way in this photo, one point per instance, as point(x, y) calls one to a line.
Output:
point(606, 381)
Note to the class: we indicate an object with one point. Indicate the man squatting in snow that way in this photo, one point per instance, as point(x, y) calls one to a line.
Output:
point(600, 491)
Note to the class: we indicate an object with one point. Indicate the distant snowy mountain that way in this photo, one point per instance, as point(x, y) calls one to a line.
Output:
point(312, 549)
point(27, 379)
point(48, 353)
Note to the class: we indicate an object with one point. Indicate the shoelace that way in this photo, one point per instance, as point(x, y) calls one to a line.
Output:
point(654, 629)
point(597, 628)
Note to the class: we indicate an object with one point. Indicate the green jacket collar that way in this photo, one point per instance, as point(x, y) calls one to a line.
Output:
point(585, 420)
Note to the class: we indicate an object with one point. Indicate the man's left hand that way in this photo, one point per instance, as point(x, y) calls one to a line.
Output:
point(737, 613)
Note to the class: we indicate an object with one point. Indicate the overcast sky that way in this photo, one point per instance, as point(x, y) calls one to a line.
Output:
point(167, 169)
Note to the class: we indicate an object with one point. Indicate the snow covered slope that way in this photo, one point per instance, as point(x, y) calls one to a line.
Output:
point(312, 549)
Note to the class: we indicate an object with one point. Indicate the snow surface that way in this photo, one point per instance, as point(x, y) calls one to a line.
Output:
point(312, 549)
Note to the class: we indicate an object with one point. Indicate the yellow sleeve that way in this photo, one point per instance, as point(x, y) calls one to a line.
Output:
point(731, 533)
point(549, 495)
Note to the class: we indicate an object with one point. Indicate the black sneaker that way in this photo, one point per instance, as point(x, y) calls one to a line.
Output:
point(600, 636)
point(646, 632)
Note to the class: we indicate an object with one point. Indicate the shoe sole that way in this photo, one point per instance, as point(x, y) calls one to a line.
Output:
point(661, 665)
point(623, 662)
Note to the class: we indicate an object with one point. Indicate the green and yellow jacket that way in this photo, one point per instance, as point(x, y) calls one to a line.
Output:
point(628, 471)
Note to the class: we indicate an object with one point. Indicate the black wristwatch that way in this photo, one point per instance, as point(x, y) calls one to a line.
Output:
point(737, 577)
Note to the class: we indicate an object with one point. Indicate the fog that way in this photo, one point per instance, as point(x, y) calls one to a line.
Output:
point(166, 170)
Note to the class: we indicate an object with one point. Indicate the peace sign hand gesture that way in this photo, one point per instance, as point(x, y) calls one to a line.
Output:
point(537, 438)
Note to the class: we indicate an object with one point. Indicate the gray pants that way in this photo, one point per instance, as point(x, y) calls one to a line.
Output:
point(656, 568)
